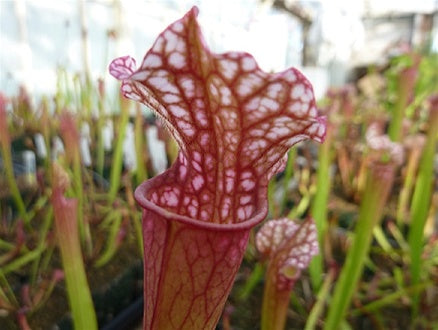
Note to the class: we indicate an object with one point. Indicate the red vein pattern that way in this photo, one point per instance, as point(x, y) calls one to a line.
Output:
point(234, 124)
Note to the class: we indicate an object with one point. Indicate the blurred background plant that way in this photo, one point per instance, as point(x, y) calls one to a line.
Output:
point(106, 146)
point(93, 158)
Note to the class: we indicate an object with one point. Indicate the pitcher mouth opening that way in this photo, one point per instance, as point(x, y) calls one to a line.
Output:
point(258, 216)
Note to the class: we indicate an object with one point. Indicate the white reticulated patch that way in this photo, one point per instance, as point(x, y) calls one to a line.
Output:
point(233, 115)
point(201, 118)
point(152, 61)
point(296, 108)
point(204, 215)
point(180, 46)
point(178, 27)
point(225, 208)
point(171, 41)
point(177, 60)
point(228, 68)
point(253, 145)
point(321, 131)
point(195, 202)
point(272, 156)
point(296, 126)
point(282, 121)
point(274, 90)
point(140, 75)
point(163, 85)
point(205, 197)
point(178, 111)
point(245, 175)
point(305, 248)
point(248, 63)
point(231, 139)
point(270, 104)
point(158, 46)
point(262, 242)
point(227, 119)
point(154, 198)
point(199, 104)
point(196, 166)
point(312, 130)
point(193, 211)
point(244, 89)
point(278, 132)
point(230, 173)
point(225, 95)
point(247, 184)
point(197, 156)
point(277, 235)
point(161, 73)
point(182, 172)
point(257, 132)
point(204, 139)
point(208, 166)
point(126, 88)
point(186, 127)
point(182, 159)
point(297, 91)
point(304, 108)
point(245, 199)
point(213, 90)
point(170, 198)
point(229, 185)
point(249, 209)
point(248, 83)
point(188, 86)
point(290, 76)
point(171, 98)
point(253, 104)
point(234, 55)
point(307, 96)
point(241, 214)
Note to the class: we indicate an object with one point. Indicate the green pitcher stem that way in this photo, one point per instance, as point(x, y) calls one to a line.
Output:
point(377, 189)
point(421, 203)
point(79, 296)
point(319, 206)
point(117, 161)
point(275, 302)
